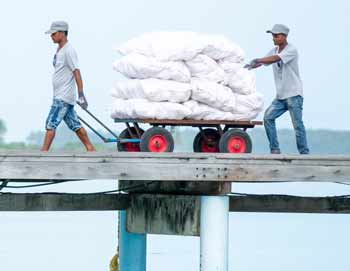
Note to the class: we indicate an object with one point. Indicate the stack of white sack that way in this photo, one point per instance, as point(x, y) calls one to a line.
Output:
point(178, 75)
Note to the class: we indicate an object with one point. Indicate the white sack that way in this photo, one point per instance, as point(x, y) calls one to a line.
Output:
point(154, 90)
point(165, 46)
point(242, 81)
point(205, 68)
point(204, 112)
point(213, 94)
point(248, 103)
point(219, 47)
point(128, 89)
point(229, 66)
point(136, 66)
point(157, 90)
point(144, 109)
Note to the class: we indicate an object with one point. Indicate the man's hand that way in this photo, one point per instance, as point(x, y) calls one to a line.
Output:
point(82, 100)
point(253, 64)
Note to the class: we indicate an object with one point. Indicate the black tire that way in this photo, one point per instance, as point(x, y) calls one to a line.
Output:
point(235, 141)
point(157, 139)
point(208, 143)
point(129, 147)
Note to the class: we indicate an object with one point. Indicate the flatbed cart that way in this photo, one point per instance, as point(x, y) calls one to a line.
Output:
point(213, 136)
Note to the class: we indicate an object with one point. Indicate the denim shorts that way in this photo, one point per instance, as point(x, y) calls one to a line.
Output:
point(59, 111)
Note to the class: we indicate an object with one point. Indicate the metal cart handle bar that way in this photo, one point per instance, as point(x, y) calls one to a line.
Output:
point(107, 140)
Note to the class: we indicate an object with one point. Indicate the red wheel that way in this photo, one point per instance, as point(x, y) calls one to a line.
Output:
point(157, 139)
point(129, 147)
point(235, 141)
point(207, 141)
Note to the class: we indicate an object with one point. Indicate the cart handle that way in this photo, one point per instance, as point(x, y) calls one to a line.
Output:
point(107, 140)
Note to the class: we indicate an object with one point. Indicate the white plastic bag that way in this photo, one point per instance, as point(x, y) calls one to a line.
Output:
point(214, 95)
point(205, 68)
point(242, 81)
point(144, 109)
point(165, 46)
point(218, 47)
point(248, 103)
point(128, 89)
point(201, 111)
point(136, 66)
point(155, 90)
point(165, 90)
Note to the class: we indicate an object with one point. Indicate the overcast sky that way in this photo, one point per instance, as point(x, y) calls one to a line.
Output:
point(319, 29)
point(86, 241)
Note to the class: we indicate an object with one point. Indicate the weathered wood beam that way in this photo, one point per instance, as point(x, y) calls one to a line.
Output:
point(62, 202)
point(174, 167)
point(290, 204)
point(113, 202)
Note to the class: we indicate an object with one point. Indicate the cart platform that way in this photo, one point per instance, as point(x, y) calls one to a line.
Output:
point(213, 135)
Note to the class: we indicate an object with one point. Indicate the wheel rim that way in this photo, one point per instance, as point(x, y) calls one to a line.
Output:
point(237, 145)
point(210, 144)
point(129, 146)
point(132, 147)
point(158, 143)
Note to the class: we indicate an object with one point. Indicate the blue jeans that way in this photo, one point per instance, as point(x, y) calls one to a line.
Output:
point(278, 107)
point(59, 111)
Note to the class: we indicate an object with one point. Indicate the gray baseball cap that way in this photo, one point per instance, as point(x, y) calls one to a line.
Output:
point(57, 26)
point(279, 29)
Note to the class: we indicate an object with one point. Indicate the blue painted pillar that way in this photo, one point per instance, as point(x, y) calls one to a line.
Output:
point(132, 248)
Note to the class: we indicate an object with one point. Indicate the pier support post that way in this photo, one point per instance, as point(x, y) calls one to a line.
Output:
point(132, 248)
point(214, 233)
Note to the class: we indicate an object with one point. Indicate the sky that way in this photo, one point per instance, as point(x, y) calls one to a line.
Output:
point(319, 29)
point(87, 240)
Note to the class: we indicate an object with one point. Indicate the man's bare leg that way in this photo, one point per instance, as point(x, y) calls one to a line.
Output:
point(49, 136)
point(83, 136)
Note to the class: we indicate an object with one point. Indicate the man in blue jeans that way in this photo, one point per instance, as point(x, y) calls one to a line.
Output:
point(65, 80)
point(284, 61)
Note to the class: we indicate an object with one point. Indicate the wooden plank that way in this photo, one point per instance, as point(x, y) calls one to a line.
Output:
point(177, 188)
point(62, 202)
point(113, 202)
point(290, 204)
point(173, 167)
point(188, 122)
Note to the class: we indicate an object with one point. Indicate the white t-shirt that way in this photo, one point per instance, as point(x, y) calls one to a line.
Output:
point(65, 62)
point(286, 73)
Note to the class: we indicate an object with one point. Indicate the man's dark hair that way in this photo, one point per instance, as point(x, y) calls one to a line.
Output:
point(65, 32)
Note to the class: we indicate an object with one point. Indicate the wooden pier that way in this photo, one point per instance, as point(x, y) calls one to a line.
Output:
point(173, 167)
point(172, 193)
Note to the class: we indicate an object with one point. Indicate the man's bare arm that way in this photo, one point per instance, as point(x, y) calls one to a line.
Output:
point(268, 60)
point(81, 100)
point(258, 62)
point(78, 80)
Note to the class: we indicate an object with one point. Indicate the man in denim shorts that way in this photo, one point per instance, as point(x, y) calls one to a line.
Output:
point(284, 59)
point(65, 78)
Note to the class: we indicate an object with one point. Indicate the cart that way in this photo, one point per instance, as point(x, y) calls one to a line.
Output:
point(213, 136)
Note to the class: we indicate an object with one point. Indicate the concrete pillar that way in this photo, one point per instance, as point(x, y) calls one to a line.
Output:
point(214, 233)
point(132, 248)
